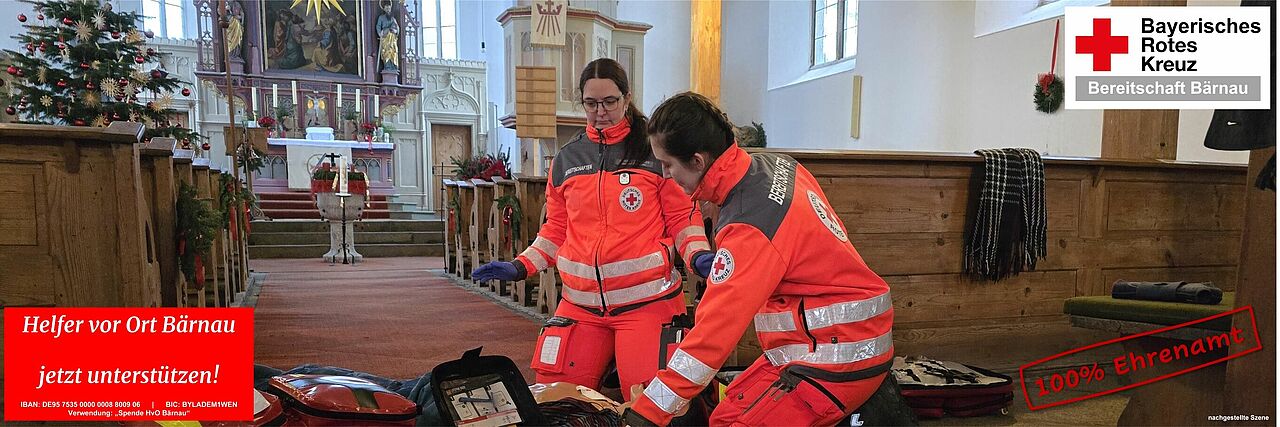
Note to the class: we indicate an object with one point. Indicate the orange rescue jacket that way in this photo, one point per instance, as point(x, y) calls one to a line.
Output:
point(784, 261)
point(613, 232)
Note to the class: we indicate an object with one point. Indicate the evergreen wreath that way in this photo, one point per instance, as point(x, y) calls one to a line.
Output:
point(1049, 99)
point(510, 212)
point(197, 226)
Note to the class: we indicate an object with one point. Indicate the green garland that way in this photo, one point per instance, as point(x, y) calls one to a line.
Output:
point(1049, 100)
point(197, 225)
point(227, 200)
point(328, 175)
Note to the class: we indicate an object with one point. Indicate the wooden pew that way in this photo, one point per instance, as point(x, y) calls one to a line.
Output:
point(223, 244)
point(185, 173)
point(501, 239)
point(73, 229)
point(448, 196)
point(466, 193)
point(200, 175)
point(478, 232)
point(531, 191)
point(160, 186)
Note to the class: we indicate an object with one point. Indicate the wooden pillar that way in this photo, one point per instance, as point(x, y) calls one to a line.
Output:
point(1251, 379)
point(704, 48)
point(157, 160)
point(1141, 134)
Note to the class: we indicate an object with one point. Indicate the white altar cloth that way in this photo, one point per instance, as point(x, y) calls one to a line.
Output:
point(302, 154)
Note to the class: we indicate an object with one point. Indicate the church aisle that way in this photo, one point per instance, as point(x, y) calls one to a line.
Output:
point(391, 317)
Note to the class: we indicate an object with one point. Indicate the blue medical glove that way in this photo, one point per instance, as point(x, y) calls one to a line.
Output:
point(497, 270)
point(702, 263)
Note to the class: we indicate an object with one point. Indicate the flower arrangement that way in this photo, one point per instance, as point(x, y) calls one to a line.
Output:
point(322, 180)
point(267, 122)
point(482, 166)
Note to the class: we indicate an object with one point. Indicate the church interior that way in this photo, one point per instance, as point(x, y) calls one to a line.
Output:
point(346, 168)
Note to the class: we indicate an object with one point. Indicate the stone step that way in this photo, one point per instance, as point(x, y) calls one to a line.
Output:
point(317, 226)
point(303, 195)
point(269, 205)
point(361, 237)
point(375, 250)
point(312, 213)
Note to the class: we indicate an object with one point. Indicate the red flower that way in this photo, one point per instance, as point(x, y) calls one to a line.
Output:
point(266, 121)
point(368, 126)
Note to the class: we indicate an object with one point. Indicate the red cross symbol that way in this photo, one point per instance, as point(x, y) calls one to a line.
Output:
point(719, 266)
point(1102, 44)
point(632, 200)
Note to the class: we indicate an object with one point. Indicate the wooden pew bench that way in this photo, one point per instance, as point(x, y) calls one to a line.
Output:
point(1179, 400)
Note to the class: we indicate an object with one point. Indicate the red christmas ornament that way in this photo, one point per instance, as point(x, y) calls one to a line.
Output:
point(90, 85)
point(62, 115)
point(40, 16)
point(139, 59)
point(204, 146)
point(84, 65)
point(62, 83)
point(186, 92)
point(68, 21)
point(79, 122)
point(150, 34)
point(22, 18)
point(43, 47)
point(123, 82)
point(151, 51)
point(115, 116)
point(10, 110)
point(20, 73)
point(62, 45)
point(155, 74)
point(13, 70)
point(31, 47)
point(115, 34)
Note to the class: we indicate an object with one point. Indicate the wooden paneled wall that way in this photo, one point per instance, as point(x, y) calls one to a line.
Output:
point(906, 214)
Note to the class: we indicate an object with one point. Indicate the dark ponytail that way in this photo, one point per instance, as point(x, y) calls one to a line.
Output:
point(636, 145)
point(689, 123)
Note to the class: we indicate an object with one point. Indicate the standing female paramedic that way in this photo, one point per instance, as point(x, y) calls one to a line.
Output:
point(614, 226)
point(783, 259)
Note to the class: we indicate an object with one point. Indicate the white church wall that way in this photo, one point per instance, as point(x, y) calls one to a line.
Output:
point(666, 53)
point(928, 84)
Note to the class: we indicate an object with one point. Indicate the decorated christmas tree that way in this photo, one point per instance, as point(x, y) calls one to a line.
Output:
point(83, 64)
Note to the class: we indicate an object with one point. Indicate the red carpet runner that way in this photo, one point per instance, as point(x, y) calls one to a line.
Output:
point(387, 316)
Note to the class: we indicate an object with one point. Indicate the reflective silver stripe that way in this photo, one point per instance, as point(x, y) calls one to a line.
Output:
point(695, 246)
point(575, 269)
point(583, 298)
point(830, 354)
point(535, 258)
point(621, 296)
point(690, 368)
point(546, 246)
point(821, 317)
point(686, 232)
point(775, 322)
point(664, 398)
point(847, 312)
point(639, 292)
point(631, 266)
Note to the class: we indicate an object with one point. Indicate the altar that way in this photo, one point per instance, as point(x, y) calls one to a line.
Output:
point(302, 155)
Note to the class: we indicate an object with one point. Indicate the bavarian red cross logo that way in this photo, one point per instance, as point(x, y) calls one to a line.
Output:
point(631, 199)
point(1102, 44)
point(722, 266)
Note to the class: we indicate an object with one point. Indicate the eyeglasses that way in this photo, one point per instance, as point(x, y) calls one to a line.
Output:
point(609, 104)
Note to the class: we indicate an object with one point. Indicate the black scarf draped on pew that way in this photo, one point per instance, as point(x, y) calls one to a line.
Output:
point(1007, 227)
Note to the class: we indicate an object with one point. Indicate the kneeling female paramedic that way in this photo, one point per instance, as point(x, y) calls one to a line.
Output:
point(782, 260)
point(614, 226)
